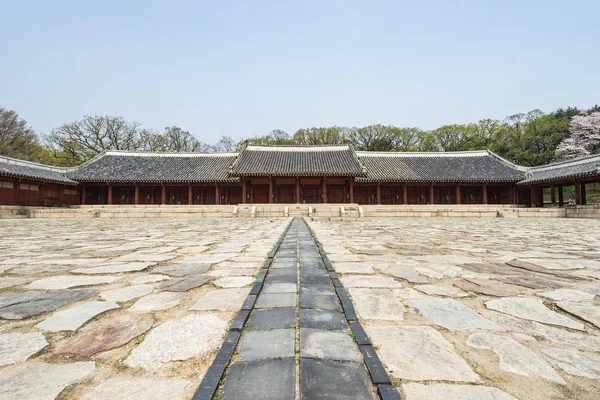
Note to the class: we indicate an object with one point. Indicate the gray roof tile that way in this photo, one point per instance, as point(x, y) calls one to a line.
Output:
point(562, 171)
point(115, 166)
point(330, 160)
point(14, 168)
point(471, 166)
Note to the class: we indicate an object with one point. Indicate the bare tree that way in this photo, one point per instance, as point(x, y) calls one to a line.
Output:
point(93, 134)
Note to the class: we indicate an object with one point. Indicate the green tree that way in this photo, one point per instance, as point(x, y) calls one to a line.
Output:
point(312, 136)
point(17, 139)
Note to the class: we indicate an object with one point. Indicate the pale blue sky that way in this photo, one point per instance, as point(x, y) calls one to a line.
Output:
point(243, 68)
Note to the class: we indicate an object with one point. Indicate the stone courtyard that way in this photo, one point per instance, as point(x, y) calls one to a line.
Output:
point(455, 308)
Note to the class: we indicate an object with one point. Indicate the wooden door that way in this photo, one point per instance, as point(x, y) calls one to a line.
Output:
point(336, 193)
point(285, 194)
point(365, 194)
point(259, 194)
point(310, 194)
point(231, 195)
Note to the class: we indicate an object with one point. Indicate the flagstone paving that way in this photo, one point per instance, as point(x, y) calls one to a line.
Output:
point(455, 308)
point(507, 308)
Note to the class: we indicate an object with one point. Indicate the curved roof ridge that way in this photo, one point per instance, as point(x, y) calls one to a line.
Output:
point(573, 161)
point(33, 164)
point(302, 147)
point(144, 153)
point(472, 153)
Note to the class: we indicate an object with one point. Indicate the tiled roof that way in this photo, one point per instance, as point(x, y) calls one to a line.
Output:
point(330, 160)
point(117, 166)
point(14, 168)
point(467, 166)
point(562, 171)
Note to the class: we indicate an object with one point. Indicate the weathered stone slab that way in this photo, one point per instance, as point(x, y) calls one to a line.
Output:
point(208, 258)
point(452, 315)
point(17, 347)
point(567, 294)
point(194, 335)
point(514, 357)
point(150, 278)
point(441, 391)
point(67, 281)
point(532, 309)
point(184, 284)
point(11, 281)
point(280, 288)
point(448, 291)
point(23, 305)
point(382, 304)
point(114, 268)
point(222, 299)
point(137, 256)
point(323, 379)
point(586, 311)
point(73, 318)
point(276, 343)
point(489, 287)
point(158, 301)
point(126, 293)
point(140, 389)
point(439, 271)
point(234, 281)
point(409, 352)
point(255, 380)
point(353, 268)
point(106, 334)
point(40, 269)
point(369, 281)
point(316, 290)
point(403, 272)
point(322, 302)
point(182, 269)
point(328, 345)
point(275, 300)
point(557, 335)
point(573, 362)
point(41, 381)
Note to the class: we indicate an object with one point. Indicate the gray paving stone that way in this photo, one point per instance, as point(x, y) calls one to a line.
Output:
point(114, 268)
point(69, 281)
point(73, 318)
point(333, 380)
point(573, 362)
point(158, 301)
point(316, 290)
point(532, 309)
point(23, 305)
point(184, 284)
point(585, 310)
point(40, 381)
point(276, 343)
point(280, 288)
point(452, 315)
point(328, 345)
point(276, 318)
point(17, 347)
point(276, 300)
point(322, 319)
point(127, 293)
point(441, 391)
point(403, 272)
point(322, 302)
point(234, 281)
point(261, 379)
point(222, 299)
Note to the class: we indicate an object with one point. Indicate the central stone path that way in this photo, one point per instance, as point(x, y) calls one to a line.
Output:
point(297, 343)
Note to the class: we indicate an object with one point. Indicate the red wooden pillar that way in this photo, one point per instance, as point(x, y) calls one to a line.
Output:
point(577, 193)
point(561, 198)
point(533, 197)
point(244, 195)
point(485, 197)
point(405, 194)
point(583, 194)
point(270, 190)
point(351, 190)
point(190, 195)
point(511, 194)
point(83, 194)
point(552, 194)
point(136, 196)
point(217, 196)
point(324, 190)
point(431, 198)
point(457, 194)
point(164, 195)
point(378, 193)
point(297, 190)
point(110, 194)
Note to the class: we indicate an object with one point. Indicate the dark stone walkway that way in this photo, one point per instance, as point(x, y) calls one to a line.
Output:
point(297, 343)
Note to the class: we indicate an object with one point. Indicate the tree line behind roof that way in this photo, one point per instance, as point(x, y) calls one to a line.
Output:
point(529, 139)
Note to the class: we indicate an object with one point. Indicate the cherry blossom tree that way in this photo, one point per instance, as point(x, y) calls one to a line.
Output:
point(584, 137)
